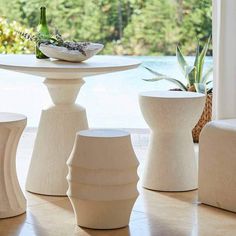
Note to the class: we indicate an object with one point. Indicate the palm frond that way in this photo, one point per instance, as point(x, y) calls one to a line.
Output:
point(181, 60)
point(206, 75)
point(202, 60)
point(200, 87)
point(209, 82)
point(175, 81)
point(153, 71)
point(189, 74)
point(197, 54)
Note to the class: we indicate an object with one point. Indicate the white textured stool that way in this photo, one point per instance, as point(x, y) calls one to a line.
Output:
point(12, 200)
point(171, 163)
point(102, 178)
point(217, 164)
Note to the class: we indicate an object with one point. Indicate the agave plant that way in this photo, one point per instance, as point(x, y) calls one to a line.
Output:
point(196, 81)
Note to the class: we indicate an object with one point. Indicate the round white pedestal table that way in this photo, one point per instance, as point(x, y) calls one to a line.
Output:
point(60, 122)
point(171, 164)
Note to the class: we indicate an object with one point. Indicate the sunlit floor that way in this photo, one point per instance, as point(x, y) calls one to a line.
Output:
point(154, 213)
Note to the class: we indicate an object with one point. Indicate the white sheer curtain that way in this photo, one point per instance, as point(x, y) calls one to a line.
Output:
point(224, 46)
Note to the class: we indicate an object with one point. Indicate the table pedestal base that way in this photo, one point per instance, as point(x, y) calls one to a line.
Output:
point(55, 138)
point(171, 163)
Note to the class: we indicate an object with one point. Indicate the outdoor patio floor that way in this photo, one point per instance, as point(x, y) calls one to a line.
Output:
point(154, 213)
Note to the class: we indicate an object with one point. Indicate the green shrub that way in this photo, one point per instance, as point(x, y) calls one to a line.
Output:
point(134, 27)
point(10, 41)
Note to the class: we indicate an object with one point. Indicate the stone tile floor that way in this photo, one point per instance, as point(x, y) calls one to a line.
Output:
point(154, 213)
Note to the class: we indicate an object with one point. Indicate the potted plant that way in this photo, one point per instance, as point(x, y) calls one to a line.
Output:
point(196, 81)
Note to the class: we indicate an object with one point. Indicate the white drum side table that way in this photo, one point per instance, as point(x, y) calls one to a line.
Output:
point(171, 164)
point(12, 200)
point(102, 178)
point(60, 122)
point(217, 164)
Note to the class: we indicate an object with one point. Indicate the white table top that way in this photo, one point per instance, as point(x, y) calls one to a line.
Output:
point(103, 133)
point(11, 117)
point(172, 94)
point(57, 69)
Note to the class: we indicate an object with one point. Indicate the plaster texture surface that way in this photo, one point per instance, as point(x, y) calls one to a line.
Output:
point(217, 164)
point(101, 194)
point(171, 164)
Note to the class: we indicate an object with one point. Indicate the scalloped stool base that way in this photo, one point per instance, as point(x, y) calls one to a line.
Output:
point(16, 212)
point(12, 200)
point(102, 214)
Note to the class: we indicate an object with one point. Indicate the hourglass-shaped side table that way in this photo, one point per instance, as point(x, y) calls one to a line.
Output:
point(171, 116)
point(12, 200)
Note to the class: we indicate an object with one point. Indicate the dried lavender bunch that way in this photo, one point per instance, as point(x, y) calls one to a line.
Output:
point(58, 37)
point(27, 36)
point(37, 38)
point(76, 46)
point(56, 40)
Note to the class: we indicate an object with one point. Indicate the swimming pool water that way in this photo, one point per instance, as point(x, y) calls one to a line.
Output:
point(111, 100)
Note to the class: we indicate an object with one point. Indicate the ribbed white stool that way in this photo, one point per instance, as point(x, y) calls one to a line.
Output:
point(102, 178)
point(12, 200)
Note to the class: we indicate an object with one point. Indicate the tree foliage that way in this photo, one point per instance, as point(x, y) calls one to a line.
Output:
point(9, 41)
point(139, 27)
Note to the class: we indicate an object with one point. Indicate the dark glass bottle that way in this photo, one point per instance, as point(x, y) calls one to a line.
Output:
point(43, 31)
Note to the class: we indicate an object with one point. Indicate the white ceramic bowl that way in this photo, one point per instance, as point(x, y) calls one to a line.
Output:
point(63, 53)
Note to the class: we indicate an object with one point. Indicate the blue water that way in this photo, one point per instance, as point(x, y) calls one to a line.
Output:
point(111, 100)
